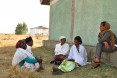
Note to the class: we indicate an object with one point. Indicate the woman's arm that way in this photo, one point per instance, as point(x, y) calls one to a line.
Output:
point(106, 44)
point(105, 37)
point(71, 60)
point(30, 60)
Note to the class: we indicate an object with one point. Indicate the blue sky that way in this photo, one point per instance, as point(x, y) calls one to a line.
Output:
point(28, 11)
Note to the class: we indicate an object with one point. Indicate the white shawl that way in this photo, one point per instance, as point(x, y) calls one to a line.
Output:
point(79, 57)
point(20, 55)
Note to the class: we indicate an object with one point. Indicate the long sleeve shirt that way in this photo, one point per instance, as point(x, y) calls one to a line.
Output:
point(62, 49)
point(28, 60)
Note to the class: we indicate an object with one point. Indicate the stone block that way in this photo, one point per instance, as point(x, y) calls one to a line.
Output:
point(113, 58)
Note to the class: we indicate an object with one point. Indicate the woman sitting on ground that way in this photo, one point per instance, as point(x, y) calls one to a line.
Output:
point(61, 51)
point(22, 58)
point(106, 43)
point(77, 56)
point(29, 42)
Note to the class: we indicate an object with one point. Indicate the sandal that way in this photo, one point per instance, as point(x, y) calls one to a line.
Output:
point(52, 62)
point(56, 71)
point(95, 64)
point(57, 62)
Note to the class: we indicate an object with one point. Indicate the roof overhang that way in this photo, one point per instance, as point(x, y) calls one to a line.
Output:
point(45, 2)
point(39, 27)
point(48, 2)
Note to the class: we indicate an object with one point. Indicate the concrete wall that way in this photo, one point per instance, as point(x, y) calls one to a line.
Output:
point(110, 13)
point(60, 19)
point(87, 17)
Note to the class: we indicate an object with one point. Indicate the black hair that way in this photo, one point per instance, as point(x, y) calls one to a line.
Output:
point(28, 39)
point(103, 23)
point(78, 38)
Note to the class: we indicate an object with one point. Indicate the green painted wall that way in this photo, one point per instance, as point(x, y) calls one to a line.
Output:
point(60, 19)
point(88, 15)
point(110, 13)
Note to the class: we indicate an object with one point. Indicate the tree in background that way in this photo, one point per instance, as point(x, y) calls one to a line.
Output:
point(21, 29)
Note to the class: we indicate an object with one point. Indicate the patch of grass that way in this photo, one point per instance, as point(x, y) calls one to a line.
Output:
point(105, 71)
point(7, 50)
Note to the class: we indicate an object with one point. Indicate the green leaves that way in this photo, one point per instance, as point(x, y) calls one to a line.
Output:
point(21, 29)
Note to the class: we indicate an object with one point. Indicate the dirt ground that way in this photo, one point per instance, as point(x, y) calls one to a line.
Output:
point(7, 50)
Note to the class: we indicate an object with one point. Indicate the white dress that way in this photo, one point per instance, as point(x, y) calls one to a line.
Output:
point(20, 55)
point(79, 57)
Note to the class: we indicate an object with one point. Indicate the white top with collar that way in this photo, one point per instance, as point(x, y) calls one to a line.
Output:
point(62, 49)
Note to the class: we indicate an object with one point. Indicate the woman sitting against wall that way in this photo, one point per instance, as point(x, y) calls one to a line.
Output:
point(106, 43)
point(77, 57)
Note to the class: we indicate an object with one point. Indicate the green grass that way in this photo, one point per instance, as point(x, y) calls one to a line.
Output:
point(105, 71)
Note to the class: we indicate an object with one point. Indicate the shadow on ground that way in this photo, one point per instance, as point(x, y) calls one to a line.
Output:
point(6, 55)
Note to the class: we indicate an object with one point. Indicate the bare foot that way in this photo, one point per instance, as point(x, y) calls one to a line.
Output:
point(97, 60)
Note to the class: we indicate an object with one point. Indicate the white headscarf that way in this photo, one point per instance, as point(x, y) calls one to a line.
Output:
point(62, 37)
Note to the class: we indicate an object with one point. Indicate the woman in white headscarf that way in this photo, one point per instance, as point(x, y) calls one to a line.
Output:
point(61, 51)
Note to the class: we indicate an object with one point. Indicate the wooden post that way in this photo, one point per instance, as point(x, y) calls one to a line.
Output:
point(53, 2)
point(72, 20)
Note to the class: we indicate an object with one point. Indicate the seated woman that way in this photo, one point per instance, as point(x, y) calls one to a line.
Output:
point(22, 58)
point(77, 56)
point(61, 51)
point(106, 43)
point(78, 52)
point(29, 42)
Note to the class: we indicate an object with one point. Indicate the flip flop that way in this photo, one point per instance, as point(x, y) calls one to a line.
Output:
point(95, 64)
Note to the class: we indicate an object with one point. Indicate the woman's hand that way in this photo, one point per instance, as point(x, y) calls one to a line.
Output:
point(106, 45)
point(71, 60)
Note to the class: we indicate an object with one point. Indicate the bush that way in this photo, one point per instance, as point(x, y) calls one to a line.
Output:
point(21, 29)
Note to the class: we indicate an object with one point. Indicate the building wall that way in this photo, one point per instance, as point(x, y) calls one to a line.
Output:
point(88, 15)
point(60, 19)
point(110, 13)
point(39, 31)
